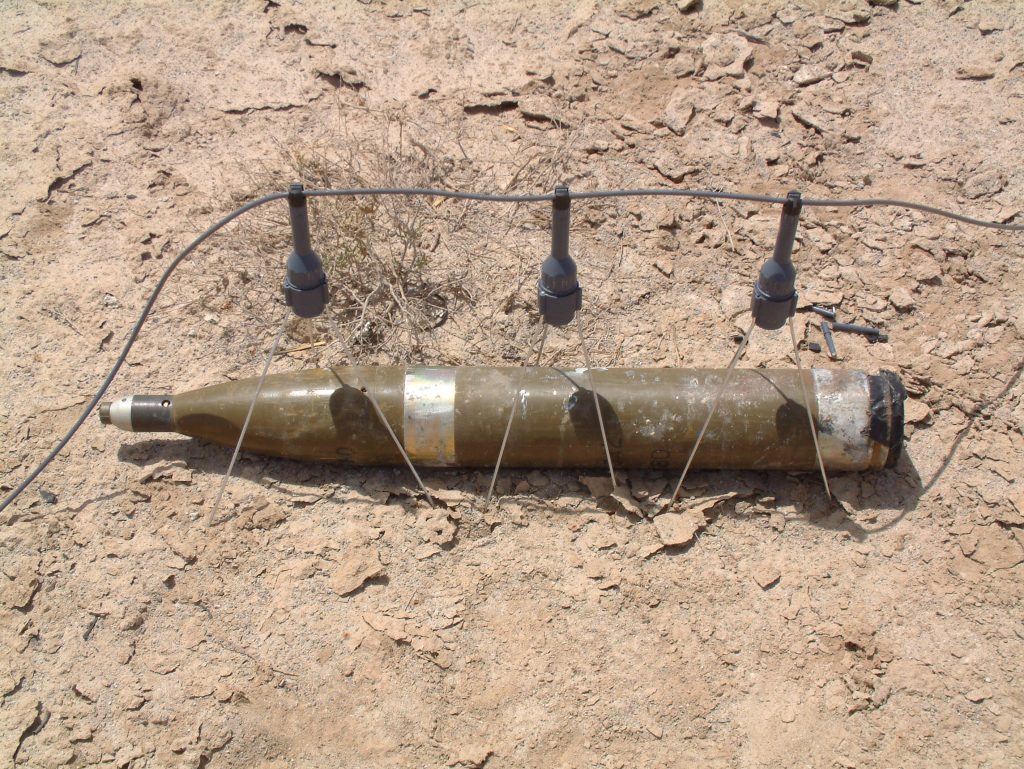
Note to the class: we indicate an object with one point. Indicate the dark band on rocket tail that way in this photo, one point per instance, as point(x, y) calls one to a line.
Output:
point(893, 420)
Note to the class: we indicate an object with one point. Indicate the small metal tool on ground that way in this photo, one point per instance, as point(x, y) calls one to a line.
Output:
point(826, 330)
point(873, 334)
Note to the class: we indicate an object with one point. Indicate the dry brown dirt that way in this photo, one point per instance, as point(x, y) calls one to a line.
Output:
point(556, 630)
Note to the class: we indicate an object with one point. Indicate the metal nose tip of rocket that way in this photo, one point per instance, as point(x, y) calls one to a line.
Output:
point(139, 413)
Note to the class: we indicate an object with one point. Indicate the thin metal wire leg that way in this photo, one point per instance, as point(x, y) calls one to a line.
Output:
point(807, 407)
point(245, 424)
point(511, 415)
point(376, 408)
point(714, 406)
point(597, 404)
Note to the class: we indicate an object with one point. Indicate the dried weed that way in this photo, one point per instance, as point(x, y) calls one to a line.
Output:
point(401, 267)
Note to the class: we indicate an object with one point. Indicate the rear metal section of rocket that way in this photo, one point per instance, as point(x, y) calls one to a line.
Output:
point(455, 417)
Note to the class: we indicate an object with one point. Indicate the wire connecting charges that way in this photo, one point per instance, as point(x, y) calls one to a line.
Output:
point(458, 195)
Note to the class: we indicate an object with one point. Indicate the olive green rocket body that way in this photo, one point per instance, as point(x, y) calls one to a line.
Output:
point(456, 417)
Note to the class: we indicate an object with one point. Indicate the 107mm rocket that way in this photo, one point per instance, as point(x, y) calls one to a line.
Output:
point(456, 417)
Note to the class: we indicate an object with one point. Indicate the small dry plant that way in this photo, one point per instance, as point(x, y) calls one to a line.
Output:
point(402, 267)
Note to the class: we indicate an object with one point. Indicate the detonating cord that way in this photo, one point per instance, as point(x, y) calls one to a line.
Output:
point(458, 195)
point(891, 203)
point(245, 425)
point(132, 336)
point(597, 404)
point(512, 414)
point(714, 407)
point(807, 408)
point(653, 192)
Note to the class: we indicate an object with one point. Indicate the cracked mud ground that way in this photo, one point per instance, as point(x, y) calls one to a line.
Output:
point(330, 618)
